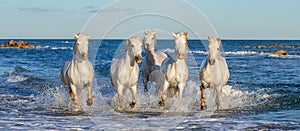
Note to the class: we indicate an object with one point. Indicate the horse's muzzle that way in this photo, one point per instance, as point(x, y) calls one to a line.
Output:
point(182, 56)
point(85, 56)
point(211, 61)
point(138, 59)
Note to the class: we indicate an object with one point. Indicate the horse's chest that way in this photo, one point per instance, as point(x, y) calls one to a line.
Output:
point(81, 74)
point(129, 77)
point(177, 73)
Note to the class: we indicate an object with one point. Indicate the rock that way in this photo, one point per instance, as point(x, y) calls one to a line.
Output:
point(261, 46)
point(280, 46)
point(246, 46)
point(38, 47)
point(11, 42)
point(287, 46)
point(254, 46)
point(19, 44)
point(261, 52)
point(248, 51)
point(280, 52)
point(272, 45)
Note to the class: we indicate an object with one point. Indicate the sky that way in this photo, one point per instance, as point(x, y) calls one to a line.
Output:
point(230, 19)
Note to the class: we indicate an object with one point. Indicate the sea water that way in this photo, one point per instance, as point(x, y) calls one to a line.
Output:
point(262, 91)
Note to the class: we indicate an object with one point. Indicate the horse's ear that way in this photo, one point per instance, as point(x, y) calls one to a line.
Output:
point(185, 33)
point(174, 35)
point(87, 36)
point(127, 42)
point(145, 31)
point(218, 39)
point(76, 36)
point(209, 38)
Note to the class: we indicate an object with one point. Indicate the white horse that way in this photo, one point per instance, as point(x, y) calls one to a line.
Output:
point(153, 58)
point(214, 73)
point(78, 73)
point(124, 70)
point(175, 70)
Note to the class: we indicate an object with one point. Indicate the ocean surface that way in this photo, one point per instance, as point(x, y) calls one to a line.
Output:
point(262, 92)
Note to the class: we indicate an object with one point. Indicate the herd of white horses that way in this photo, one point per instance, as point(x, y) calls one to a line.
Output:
point(164, 72)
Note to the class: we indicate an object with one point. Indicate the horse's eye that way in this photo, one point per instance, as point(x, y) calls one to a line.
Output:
point(132, 46)
point(218, 48)
point(153, 38)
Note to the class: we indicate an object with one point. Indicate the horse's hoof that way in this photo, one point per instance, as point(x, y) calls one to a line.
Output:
point(89, 102)
point(145, 90)
point(203, 107)
point(132, 104)
point(162, 104)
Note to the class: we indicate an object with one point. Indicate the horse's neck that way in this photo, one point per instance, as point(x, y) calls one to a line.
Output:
point(129, 59)
point(150, 56)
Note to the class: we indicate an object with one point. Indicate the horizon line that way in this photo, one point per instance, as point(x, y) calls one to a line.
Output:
point(70, 38)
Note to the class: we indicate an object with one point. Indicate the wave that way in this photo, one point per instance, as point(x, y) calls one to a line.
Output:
point(58, 48)
point(16, 78)
point(282, 56)
point(239, 53)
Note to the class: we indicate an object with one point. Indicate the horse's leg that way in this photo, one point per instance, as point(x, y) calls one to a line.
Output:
point(133, 91)
point(164, 93)
point(89, 101)
point(218, 95)
point(177, 92)
point(203, 104)
point(172, 88)
point(180, 88)
point(72, 94)
point(73, 88)
point(120, 94)
point(145, 81)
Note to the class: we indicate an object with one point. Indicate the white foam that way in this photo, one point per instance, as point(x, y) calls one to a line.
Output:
point(239, 53)
point(283, 56)
point(58, 48)
point(16, 78)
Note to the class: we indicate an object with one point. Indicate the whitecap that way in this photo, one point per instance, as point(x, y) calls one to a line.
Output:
point(16, 78)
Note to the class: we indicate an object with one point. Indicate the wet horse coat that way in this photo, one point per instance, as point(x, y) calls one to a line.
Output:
point(79, 72)
point(214, 73)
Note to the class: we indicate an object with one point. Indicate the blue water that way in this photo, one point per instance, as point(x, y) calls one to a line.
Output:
point(262, 91)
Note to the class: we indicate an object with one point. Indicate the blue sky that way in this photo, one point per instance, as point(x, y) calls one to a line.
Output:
point(232, 19)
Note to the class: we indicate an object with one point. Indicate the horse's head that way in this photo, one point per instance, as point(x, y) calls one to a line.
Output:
point(134, 44)
point(181, 44)
point(80, 48)
point(213, 49)
point(149, 40)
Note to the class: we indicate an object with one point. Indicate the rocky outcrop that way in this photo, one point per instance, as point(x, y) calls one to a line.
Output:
point(261, 52)
point(272, 45)
point(246, 46)
point(261, 46)
point(280, 52)
point(19, 44)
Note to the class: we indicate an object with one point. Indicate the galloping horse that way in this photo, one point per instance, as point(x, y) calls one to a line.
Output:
point(214, 73)
point(78, 73)
point(124, 70)
point(153, 58)
point(175, 70)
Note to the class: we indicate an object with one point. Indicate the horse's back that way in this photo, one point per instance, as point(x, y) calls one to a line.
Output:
point(161, 56)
